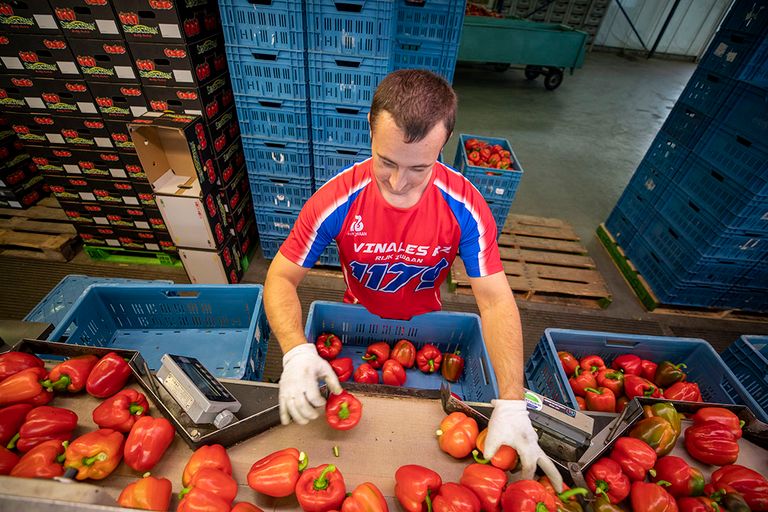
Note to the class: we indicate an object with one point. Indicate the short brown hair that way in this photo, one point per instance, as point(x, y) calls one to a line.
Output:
point(417, 100)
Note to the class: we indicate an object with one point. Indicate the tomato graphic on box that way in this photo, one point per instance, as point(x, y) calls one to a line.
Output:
point(228, 172)
point(120, 137)
point(174, 53)
point(123, 186)
point(186, 95)
point(21, 129)
point(109, 157)
point(210, 170)
point(96, 125)
point(220, 142)
point(39, 160)
point(191, 27)
point(146, 198)
point(133, 169)
point(49, 97)
point(114, 49)
point(14, 178)
point(162, 5)
point(158, 105)
point(104, 102)
point(62, 153)
point(165, 243)
point(84, 164)
point(43, 120)
point(101, 193)
point(55, 44)
point(219, 233)
point(22, 82)
point(210, 22)
point(212, 109)
point(219, 63)
point(147, 236)
point(30, 198)
point(227, 255)
point(130, 91)
point(75, 87)
point(65, 14)
point(69, 134)
point(233, 276)
point(128, 18)
point(211, 205)
point(235, 200)
point(145, 64)
point(86, 61)
point(6, 9)
point(27, 56)
point(240, 225)
point(96, 2)
point(203, 71)
point(227, 97)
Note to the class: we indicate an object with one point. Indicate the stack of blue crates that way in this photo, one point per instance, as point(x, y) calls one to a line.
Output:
point(694, 217)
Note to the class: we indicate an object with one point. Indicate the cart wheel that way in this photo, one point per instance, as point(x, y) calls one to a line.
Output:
point(501, 67)
point(553, 79)
point(532, 72)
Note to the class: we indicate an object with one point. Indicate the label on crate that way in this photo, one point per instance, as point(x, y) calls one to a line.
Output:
point(532, 401)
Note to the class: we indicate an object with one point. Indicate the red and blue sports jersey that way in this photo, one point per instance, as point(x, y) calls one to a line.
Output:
point(393, 259)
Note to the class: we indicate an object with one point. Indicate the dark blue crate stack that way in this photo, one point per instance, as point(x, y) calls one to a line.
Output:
point(694, 217)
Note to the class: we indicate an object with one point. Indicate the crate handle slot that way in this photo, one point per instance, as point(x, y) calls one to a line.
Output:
point(415, 3)
point(348, 63)
point(713, 78)
point(620, 343)
point(694, 207)
point(673, 233)
point(347, 7)
point(260, 2)
point(265, 56)
point(182, 294)
point(741, 140)
point(146, 14)
point(719, 177)
point(81, 10)
point(350, 152)
point(280, 145)
point(271, 104)
point(346, 110)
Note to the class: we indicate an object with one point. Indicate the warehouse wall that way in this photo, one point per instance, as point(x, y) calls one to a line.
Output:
point(688, 33)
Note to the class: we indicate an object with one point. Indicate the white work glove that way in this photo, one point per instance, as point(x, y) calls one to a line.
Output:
point(510, 425)
point(299, 391)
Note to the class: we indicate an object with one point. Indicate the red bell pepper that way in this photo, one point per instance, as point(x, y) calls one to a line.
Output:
point(108, 376)
point(343, 368)
point(751, 484)
point(343, 411)
point(592, 364)
point(393, 373)
point(527, 496)
point(95, 454)
point(657, 432)
point(328, 346)
point(667, 411)
point(629, 364)
point(683, 479)
point(581, 403)
point(600, 399)
point(415, 486)
point(321, 489)
point(404, 353)
point(611, 379)
point(8, 460)
point(648, 369)
point(43, 461)
point(366, 374)
point(634, 456)
point(11, 420)
point(567, 500)
point(667, 373)
point(504, 459)
point(568, 362)
point(71, 375)
point(212, 481)
point(720, 416)
point(683, 391)
point(582, 380)
point(603, 504)
point(366, 497)
point(428, 358)
point(621, 403)
point(651, 498)
point(44, 423)
point(244, 506)
point(376, 354)
point(147, 442)
point(711, 444)
point(25, 387)
point(200, 500)
point(455, 498)
point(12, 363)
point(147, 493)
point(452, 367)
point(638, 386)
point(457, 434)
point(213, 456)
point(699, 504)
point(606, 477)
point(276, 474)
point(121, 411)
point(487, 482)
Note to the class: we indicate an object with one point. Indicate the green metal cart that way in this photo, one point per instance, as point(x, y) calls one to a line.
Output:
point(543, 48)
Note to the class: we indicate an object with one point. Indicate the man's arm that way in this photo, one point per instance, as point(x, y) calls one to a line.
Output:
point(281, 301)
point(502, 332)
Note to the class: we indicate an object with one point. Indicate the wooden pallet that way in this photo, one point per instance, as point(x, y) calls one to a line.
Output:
point(544, 262)
point(648, 299)
point(40, 232)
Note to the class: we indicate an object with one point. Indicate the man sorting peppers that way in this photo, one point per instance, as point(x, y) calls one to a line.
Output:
point(399, 220)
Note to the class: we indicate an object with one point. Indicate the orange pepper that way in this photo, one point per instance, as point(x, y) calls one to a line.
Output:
point(504, 459)
point(457, 434)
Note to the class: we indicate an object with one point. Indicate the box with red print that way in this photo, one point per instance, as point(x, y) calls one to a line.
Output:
point(122, 237)
point(57, 130)
point(119, 100)
point(214, 267)
point(211, 101)
point(118, 131)
point(168, 21)
point(103, 60)
point(145, 193)
point(196, 222)
point(243, 223)
point(106, 215)
point(77, 162)
point(180, 65)
point(20, 174)
point(36, 55)
point(89, 19)
point(27, 17)
point(20, 93)
point(87, 189)
point(133, 168)
point(12, 150)
point(32, 192)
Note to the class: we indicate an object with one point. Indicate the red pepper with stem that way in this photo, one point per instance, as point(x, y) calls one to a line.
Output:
point(211, 481)
point(393, 373)
point(611, 379)
point(452, 367)
point(683, 391)
point(12, 363)
point(44, 423)
point(629, 364)
point(11, 420)
point(321, 489)
point(568, 362)
point(108, 376)
point(43, 461)
point(212, 456)
point(634, 456)
point(343, 411)
point(487, 482)
point(720, 416)
point(606, 477)
point(528, 496)
point(343, 368)
point(71, 375)
point(404, 353)
point(121, 411)
point(455, 498)
point(566, 500)
point(648, 369)
point(683, 479)
point(504, 459)
point(96, 454)
point(429, 358)
point(600, 399)
point(25, 387)
point(457, 434)
point(276, 474)
point(582, 380)
point(638, 386)
point(147, 493)
point(751, 484)
point(657, 432)
point(377, 354)
point(147, 442)
point(328, 346)
point(592, 364)
point(711, 443)
point(366, 374)
point(415, 486)
point(652, 498)
point(366, 497)
point(8, 460)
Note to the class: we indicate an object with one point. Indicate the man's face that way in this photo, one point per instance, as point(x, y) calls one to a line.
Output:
point(403, 170)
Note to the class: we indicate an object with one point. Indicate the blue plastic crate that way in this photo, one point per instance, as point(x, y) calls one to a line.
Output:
point(747, 357)
point(448, 331)
point(330, 256)
point(330, 161)
point(281, 120)
point(283, 193)
point(621, 227)
point(361, 28)
point(748, 17)
point(267, 74)
point(685, 124)
point(500, 211)
point(746, 110)
point(707, 91)
point(544, 374)
point(756, 69)
point(744, 298)
point(341, 125)
point(728, 54)
point(57, 303)
point(413, 53)
point(734, 154)
point(277, 159)
point(270, 245)
point(345, 79)
point(492, 183)
point(648, 184)
point(431, 21)
point(275, 222)
point(223, 326)
point(666, 154)
point(267, 24)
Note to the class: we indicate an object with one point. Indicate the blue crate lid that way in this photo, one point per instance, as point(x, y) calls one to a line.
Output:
point(747, 357)
point(276, 24)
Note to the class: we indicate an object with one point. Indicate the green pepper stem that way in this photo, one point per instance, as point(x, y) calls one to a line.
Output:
point(652, 472)
point(540, 507)
point(593, 390)
point(577, 371)
point(613, 375)
point(184, 492)
point(428, 501)
point(59, 384)
point(136, 410)
point(648, 392)
point(681, 365)
point(742, 423)
point(145, 475)
point(61, 458)
point(601, 486)
point(570, 493)
point(99, 457)
point(717, 495)
point(478, 459)
point(369, 358)
point(431, 366)
point(335, 451)
point(344, 411)
point(303, 461)
point(663, 483)
point(321, 483)
point(12, 442)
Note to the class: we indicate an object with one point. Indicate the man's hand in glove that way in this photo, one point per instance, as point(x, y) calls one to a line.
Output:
point(510, 425)
point(299, 391)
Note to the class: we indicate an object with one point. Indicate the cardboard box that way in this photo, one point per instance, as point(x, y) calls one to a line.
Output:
point(119, 100)
point(37, 55)
point(145, 193)
point(93, 19)
point(58, 130)
point(126, 238)
point(118, 132)
point(167, 21)
point(18, 175)
point(94, 190)
point(106, 215)
point(180, 65)
point(40, 95)
point(10, 145)
point(195, 222)
point(30, 17)
point(76, 162)
point(103, 60)
point(210, 101)
point(214, 267)
point(133, 168)
point(28, 196)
